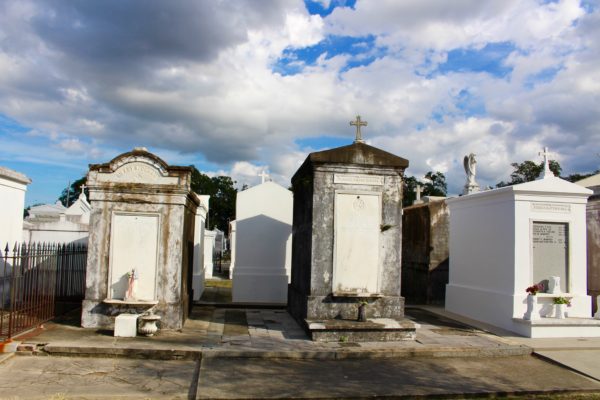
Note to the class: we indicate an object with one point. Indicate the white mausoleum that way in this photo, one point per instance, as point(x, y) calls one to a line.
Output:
point(505, 240)
point(13, 186)
point(263, 230)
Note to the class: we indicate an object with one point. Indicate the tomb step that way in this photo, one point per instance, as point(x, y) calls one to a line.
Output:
point(373, 330)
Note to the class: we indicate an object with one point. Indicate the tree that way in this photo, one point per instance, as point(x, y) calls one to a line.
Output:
point(222, 198)
point(434, 185)
point(70, 194)
point(528, 171)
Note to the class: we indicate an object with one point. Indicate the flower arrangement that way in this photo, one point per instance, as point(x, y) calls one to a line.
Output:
point(533, 289)
point(562, 300)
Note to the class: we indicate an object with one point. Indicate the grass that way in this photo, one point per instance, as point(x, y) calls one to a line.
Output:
point(217, 283)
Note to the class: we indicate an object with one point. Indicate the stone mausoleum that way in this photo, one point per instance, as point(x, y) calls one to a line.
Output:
point(346, 245)
point(144, 217)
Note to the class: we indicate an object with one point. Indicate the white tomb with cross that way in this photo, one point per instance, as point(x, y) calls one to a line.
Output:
point(263, 231)
point(505, 240)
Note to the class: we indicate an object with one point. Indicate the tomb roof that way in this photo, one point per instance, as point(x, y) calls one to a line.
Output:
point(356, 153)
point(14, 176)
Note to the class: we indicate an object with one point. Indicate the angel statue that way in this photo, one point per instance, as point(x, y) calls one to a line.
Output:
point(470, 165)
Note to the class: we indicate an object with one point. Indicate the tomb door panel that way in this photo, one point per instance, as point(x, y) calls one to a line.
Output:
point(134, 244)
point(550, 250)
point(356, 242)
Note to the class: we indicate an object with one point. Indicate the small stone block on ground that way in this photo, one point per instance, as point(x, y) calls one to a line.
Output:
point(126, 325)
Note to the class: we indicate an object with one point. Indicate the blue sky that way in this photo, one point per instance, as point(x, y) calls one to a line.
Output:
point(243, 86)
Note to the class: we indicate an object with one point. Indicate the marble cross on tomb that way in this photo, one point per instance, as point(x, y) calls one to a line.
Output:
point(547, 171)
point(418, 190)
point(358, 123)
point(263, 176)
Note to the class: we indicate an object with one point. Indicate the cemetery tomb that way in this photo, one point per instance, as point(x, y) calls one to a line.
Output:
point(505, 240)
point(263, 230)
point(13, 186)
point(593, 239)
point(209, 252)
point(346, 247)
point(425, 252)
point(145, 240)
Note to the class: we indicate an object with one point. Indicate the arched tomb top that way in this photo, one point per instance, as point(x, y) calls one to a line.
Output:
point(139, 166)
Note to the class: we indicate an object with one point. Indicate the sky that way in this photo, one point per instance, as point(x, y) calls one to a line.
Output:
point(236, 87)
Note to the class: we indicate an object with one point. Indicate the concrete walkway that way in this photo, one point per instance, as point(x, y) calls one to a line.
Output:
point(231, 353)
point(229, 332)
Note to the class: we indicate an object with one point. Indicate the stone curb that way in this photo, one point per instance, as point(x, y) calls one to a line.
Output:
point(166, 354)
point(5, 356)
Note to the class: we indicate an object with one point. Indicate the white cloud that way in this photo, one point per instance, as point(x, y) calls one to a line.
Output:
point(210, 93)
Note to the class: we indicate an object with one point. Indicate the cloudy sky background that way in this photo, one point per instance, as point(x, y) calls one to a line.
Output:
point(234, 87)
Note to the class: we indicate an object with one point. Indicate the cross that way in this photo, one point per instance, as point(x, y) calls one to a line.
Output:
point(263, 175)
point(547, 171)
point(358, 123)
point(418, 189)
point(82, 187)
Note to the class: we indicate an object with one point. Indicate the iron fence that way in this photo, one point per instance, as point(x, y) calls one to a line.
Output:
point(33, 278)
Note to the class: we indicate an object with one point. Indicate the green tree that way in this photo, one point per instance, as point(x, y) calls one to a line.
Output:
point(435, 184)
point(70, 194)
point(528, 171)
point(408, 190)
point(222, 198)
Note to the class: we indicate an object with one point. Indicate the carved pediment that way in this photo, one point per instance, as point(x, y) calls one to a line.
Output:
point(138, 172)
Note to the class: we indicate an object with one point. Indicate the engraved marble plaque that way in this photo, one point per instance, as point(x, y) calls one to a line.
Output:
point(358, 179)
point(550, 243)
point(551, 208)
point(356, 254)
point(134, 244)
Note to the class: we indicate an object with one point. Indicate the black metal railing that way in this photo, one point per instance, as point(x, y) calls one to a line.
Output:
point(33, 278)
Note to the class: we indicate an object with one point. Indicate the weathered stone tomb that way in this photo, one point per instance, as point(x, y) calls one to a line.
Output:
point(346, 245)
point(144, 217)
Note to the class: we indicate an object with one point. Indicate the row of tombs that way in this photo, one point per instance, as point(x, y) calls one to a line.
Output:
point(334, 244)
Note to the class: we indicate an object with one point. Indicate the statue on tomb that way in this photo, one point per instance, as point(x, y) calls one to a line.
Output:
point(131, 285)
point(470, 165)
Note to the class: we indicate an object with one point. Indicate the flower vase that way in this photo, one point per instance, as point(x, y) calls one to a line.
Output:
point(148, 325)
point(531, 312)
point(559, 311)
point(362, 313)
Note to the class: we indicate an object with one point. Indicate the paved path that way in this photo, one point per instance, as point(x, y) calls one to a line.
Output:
point(263, 353)
point(27, 377)
point(266, 333)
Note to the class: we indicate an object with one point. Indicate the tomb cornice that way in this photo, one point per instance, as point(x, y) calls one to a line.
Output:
point(359, 155)
point(14, 176)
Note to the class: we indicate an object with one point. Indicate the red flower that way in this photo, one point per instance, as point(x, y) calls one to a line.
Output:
point(535, 288)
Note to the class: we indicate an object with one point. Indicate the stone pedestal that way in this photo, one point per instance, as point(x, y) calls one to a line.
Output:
point(126, 325)
point(346, 246)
